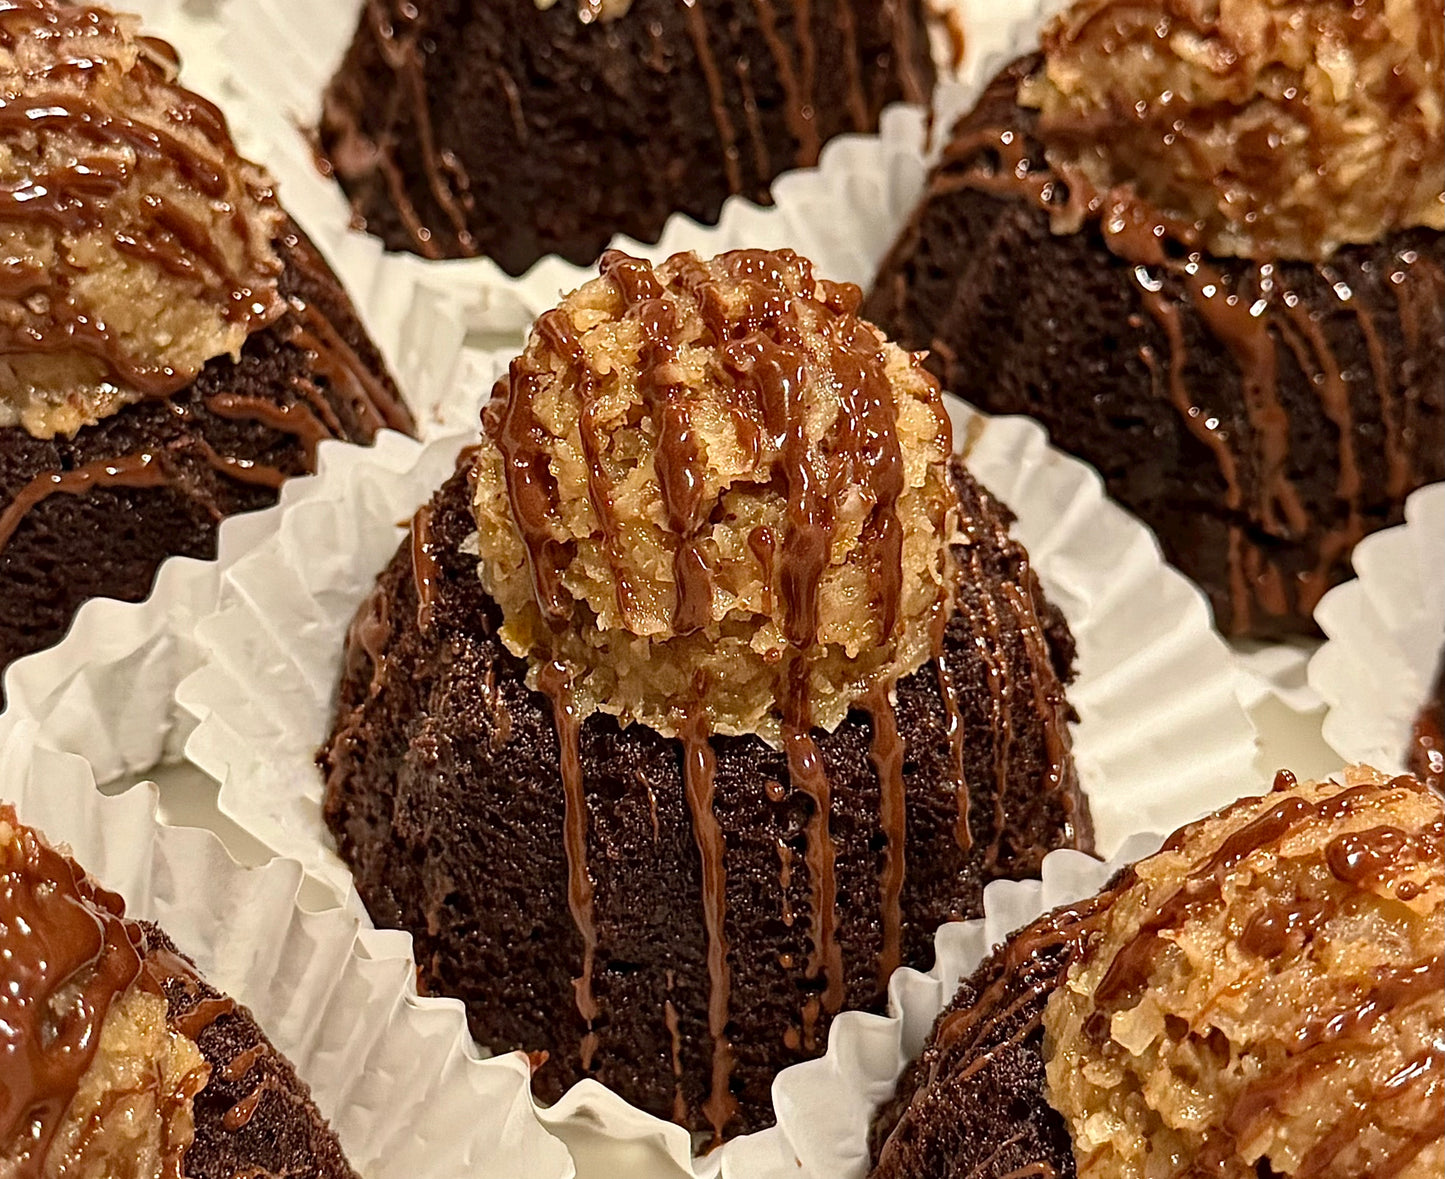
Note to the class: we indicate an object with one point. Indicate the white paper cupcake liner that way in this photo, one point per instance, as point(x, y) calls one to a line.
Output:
point(1161, 738)
point(1386, 634)
point(396, 1075)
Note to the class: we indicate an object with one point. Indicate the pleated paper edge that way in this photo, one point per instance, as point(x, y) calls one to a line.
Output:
point(1385, 637)
point(396, 1074)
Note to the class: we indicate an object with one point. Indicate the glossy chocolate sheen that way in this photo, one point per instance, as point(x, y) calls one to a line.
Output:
point(66, 955)
point(96, 514)
point(1260, 418)
point(651, 912)
point(255, 1116)
point(461, 128)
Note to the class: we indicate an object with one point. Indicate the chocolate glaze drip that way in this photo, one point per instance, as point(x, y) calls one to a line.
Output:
point(423, 565)
point(984, 1063)
point(350, 377)
point(300, 421)
point(1285, 543)
point(136, 470)
point(77, 197)
point(555, 683)
point(245, 470)
point(69, 956)
point(888, 752)
point(699, 767)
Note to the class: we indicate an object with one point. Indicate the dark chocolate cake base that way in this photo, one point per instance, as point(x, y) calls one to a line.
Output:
point(498, 128)
point(255, 1116)
point(95, 515)
point(1257, 483)
point(973, 1104)
point(445, 795)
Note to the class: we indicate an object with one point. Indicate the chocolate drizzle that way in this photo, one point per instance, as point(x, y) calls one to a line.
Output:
point(1345, 334)
point(888, 752)
point(1352, 858)
point(69, 956)
point(424, 567)
point(166, 137)
point(135, 470)
point(555, 683)
point(699, 767)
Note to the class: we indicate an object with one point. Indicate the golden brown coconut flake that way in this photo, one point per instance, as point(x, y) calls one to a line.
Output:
point(1254, 128)
point(712, 483)
point(137, 244)
point(1265, 995)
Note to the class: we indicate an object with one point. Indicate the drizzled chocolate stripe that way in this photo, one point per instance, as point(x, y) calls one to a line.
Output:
point(69, 956)
point(79, 196)
point(555, 682)
point(1260, 322)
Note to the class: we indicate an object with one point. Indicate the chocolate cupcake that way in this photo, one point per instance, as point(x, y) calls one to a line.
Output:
point(520, 128)
point(1203, 246)
point(1427, 738)
point(701, 694)
point(1263, 997)
point(172, 348)
point(119, 1059)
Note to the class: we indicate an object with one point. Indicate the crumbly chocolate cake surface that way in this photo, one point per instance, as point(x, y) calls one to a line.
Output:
point(254, 1116)
point(973, 1103)
point(94, 514)
point(444, 793)
point(607, 121)
point(1261, 417)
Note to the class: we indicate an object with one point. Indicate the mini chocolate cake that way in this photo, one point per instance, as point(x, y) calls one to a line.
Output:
point(1208, 273)
point(120, 1061)
point(172, 348)
point(1264, 997)
point(702, 694)
point(520, 128)
point(1427, 739)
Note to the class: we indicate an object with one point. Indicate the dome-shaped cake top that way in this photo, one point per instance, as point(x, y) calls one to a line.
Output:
point(138, 243)
point(1258, 994)
point(1270, 129)
point(711, 485)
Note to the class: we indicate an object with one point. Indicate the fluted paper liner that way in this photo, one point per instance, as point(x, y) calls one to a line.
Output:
point(1161, 737)
point(1386, 635)
point(396, 1075)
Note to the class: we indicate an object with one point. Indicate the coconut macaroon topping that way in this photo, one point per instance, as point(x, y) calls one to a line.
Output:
point(94, 1083)
point(712, 486)
point(137, 243)
point(1266, 995)
point(1265, 129)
